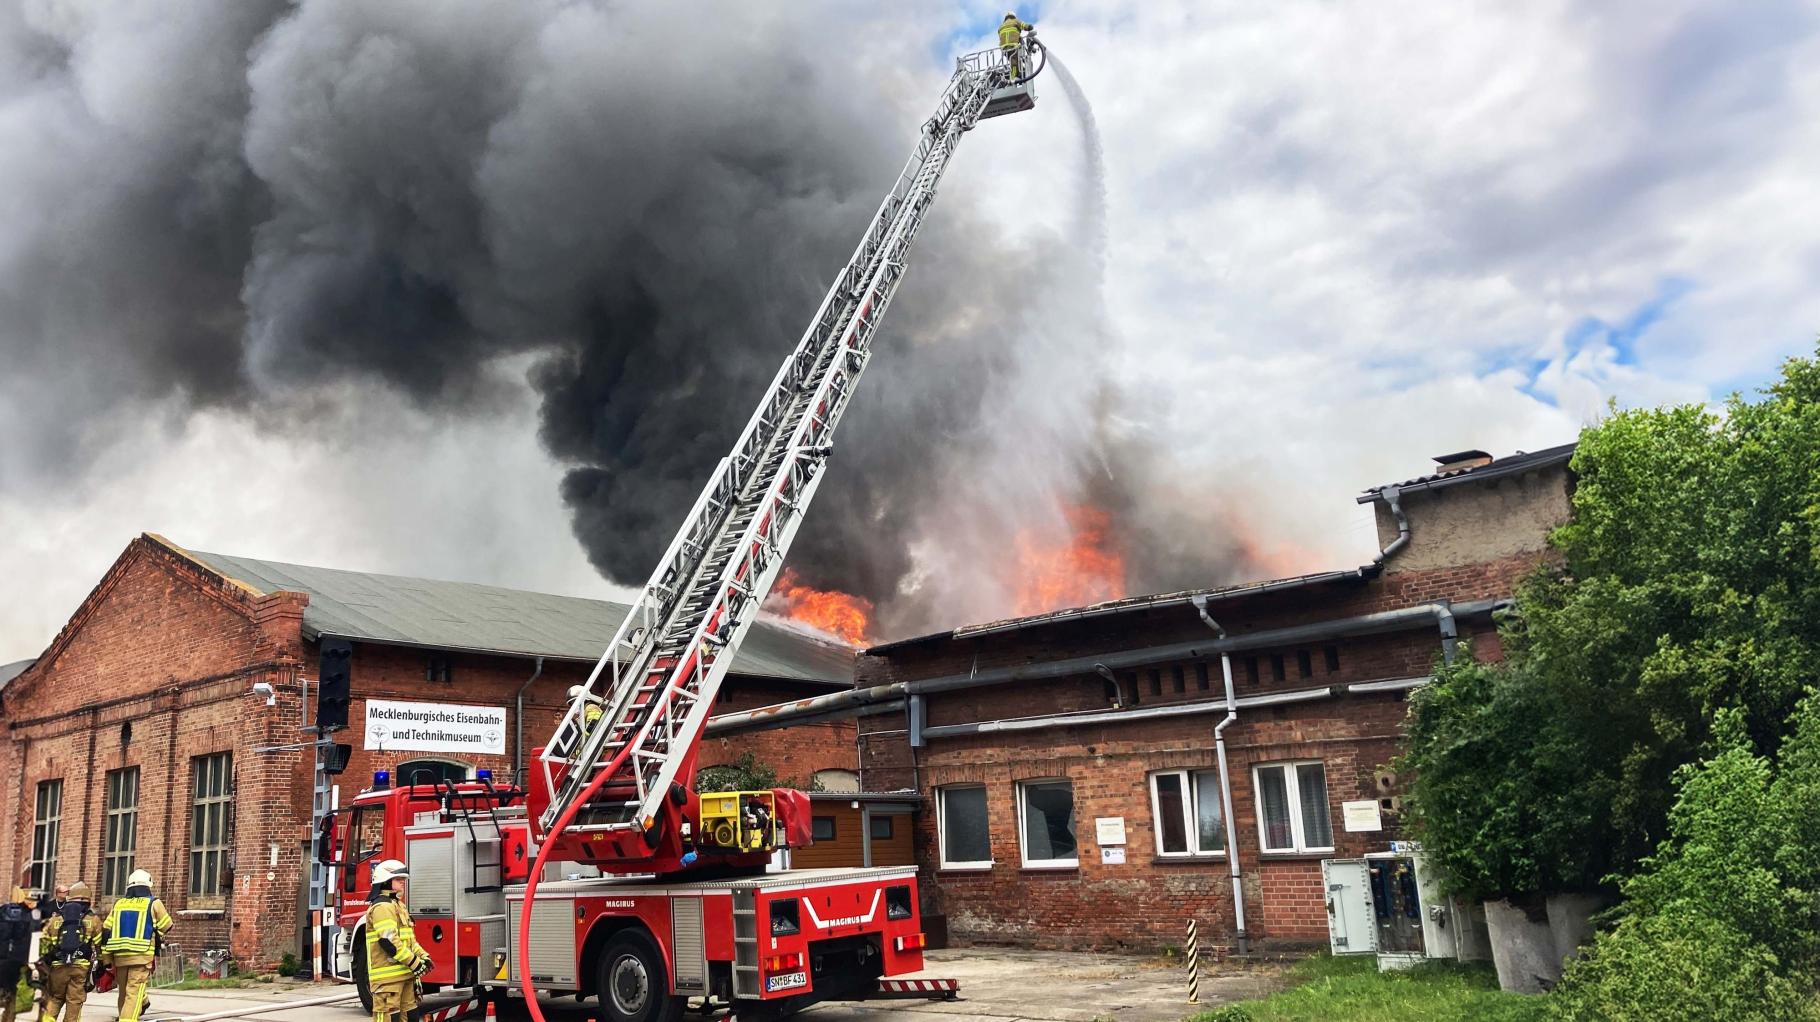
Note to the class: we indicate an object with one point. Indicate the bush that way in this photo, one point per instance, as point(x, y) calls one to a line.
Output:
point(1735, 852)
point(1501, 793)
point(1677, 968)
point(1229, 1013)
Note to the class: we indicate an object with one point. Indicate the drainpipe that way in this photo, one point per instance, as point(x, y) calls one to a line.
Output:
point(518, 722)
point(1219, 747)
point(1392, 498)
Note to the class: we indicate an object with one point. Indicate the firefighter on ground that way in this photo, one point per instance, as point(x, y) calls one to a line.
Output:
point(394, 959)
point(67, 947)
point(16, 925)
point(1011, 40)
point(135, 925)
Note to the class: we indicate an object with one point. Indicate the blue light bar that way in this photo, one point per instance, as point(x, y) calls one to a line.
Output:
point(382, 779)
point(483, 774)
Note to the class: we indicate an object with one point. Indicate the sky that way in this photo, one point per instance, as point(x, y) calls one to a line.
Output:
point(1338, 240)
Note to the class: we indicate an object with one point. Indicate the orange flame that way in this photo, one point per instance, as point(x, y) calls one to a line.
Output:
point(842, 615)
point(1087, 568)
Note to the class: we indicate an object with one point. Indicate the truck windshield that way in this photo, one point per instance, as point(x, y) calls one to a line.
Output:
point(366, 835)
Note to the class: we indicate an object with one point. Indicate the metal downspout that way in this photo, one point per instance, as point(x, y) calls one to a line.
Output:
point(518, 722)
point(1219, 747)
point(1392, 497)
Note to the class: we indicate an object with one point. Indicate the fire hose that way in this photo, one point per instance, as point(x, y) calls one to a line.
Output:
point(537, 863)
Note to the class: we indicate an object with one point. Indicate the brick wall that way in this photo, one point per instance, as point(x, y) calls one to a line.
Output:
point(157, 668)
point(1146, 901)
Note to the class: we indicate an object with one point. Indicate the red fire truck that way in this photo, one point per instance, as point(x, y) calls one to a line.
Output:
point(639, 945)
point(643, 893)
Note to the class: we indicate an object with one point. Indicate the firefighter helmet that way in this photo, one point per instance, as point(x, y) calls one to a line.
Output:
point(139, 878)
point(390, 869)
point(79, 891)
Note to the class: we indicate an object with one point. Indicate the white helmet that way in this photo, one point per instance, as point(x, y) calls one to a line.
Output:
point(576, 691)
point(390, 869)
point(139, 878)
point(1010, 15)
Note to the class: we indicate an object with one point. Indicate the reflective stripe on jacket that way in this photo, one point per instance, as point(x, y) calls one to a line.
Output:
point(1010, 33)
point(388, 919)
point(133, 925)
point(51, 937)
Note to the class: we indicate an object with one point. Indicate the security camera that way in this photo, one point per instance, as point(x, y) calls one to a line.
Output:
point(262, 688)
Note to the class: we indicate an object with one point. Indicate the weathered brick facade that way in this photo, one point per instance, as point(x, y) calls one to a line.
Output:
point(156, 669)
point(1147, 900)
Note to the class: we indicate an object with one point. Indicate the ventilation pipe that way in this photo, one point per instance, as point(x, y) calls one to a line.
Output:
point(518, 723)
point(1219, 748)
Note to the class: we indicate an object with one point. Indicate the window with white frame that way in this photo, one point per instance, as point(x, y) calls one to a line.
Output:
point(1186, 807)
point(47, 828)
point(1045, 813)
point(960, 812)
point(119, 829)
point(211, 823)
point(1292, 807)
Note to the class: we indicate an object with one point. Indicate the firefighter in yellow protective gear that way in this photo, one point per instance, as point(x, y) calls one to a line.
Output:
point(394, 959)
point(67, 948)
point(590, 714)
point(135, 925)
point(1011, 40)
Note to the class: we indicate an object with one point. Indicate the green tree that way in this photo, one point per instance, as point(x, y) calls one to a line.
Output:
point(747, 773)
point(1688, 583)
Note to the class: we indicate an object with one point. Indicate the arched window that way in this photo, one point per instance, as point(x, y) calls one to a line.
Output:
point(430, 771)
point(835, 780)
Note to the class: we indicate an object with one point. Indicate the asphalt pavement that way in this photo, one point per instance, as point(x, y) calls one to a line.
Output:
point(997, 985)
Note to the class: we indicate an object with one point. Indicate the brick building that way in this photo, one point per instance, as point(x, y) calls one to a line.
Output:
point(136, 739)
point(1071, 790)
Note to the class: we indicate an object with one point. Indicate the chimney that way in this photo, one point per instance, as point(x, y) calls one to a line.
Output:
point(1459, 461)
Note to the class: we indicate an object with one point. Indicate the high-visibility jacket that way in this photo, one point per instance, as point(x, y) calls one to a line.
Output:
point(134, 925)
point(388, 920)
point(1011, 32)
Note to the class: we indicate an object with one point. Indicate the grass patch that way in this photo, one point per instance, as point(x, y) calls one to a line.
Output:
point(1352, 989)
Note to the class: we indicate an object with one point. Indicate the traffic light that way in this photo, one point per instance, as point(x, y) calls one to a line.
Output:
point(332, 688)
point(335, 757)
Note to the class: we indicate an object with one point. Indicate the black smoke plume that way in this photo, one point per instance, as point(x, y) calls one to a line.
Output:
point(240, 205)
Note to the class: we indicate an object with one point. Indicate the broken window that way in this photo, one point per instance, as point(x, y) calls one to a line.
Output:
point(1046, 822)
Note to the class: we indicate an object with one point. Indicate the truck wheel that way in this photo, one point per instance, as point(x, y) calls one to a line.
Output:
point(633, 984)
point(359, 970)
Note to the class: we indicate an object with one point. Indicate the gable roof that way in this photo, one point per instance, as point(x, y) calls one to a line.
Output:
point(465, 616)
point(1515, 464)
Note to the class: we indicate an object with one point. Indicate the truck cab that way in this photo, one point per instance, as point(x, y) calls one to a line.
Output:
point(373, 828)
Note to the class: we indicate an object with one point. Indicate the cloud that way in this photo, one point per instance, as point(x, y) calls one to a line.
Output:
point(1339, 240)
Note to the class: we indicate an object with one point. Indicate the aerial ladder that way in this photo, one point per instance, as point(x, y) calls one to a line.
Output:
point(607, 875)
point(612, 785)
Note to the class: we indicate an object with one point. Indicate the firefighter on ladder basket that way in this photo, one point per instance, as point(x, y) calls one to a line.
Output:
point(129, 943)
point(394, 959)
point(1011, 41)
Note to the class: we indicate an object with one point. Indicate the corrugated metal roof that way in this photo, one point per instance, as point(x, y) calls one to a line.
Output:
point(1521, 462)
point(10, 671)
point(489, 619)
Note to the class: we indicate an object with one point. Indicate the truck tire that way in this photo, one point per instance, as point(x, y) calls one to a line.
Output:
point(358, 969)
point(633, 983)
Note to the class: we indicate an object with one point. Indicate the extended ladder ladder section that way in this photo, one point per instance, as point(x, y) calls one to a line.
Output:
point(644, 706)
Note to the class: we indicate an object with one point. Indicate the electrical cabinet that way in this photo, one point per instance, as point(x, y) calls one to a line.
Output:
point(1389, 904)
